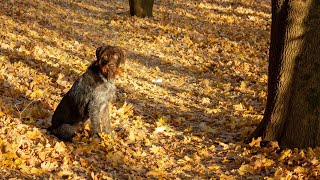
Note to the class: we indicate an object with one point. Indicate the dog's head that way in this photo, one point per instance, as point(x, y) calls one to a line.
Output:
point(109, 58)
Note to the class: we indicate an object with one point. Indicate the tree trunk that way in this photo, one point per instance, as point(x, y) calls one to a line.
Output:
point(292, 115)
point(141, 8)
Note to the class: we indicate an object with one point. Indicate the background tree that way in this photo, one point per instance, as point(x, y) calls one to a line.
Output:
point(292, 115)
point(141, 8)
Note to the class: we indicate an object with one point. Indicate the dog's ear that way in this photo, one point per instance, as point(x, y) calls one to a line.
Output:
point(98, 51)
point(122, 55)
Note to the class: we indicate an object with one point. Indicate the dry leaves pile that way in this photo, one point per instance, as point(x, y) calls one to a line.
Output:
point(193, 88)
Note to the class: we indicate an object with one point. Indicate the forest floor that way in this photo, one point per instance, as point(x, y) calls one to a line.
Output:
point(192, 90)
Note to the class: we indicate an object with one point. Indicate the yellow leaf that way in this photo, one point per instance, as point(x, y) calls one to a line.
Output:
point(187, 158)
point(157, 173)
point(243, 86)
point(245, 168)
point(42, 155)
point(33, 134)
point(300, 169)
point(239, 107)
point(10, 155)
point(214, 167)
point(268, 162)
point(116, 158)
point(286, 153)
point(36, 171)
point(188, 129)
point(18, 161)
point(60, 147)
point(36, 94)
point(212, 111)
point(256, 142)
point(157, 69)
point(205, 101)
point(65, 172)
point(229, 20)
point(84, 162)
point(24, 168)
point(131, 136)
point(155, 149)
point(49, 166)
point(302, 154)
point(1, 113)
point(161, 121)
point(147, 142)
point(226, 177)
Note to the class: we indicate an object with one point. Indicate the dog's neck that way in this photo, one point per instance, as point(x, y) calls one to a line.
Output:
point(94, 67)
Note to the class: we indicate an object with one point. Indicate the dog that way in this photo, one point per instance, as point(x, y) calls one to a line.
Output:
point(90, 97)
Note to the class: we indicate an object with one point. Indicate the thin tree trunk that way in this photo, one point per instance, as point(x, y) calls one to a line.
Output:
point(292, 115)
point(141, 8)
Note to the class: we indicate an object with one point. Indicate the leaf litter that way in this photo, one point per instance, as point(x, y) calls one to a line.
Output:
point(193, 88)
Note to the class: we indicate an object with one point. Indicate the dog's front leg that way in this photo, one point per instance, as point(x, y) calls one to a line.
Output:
point(105, 118)
point(95, 116)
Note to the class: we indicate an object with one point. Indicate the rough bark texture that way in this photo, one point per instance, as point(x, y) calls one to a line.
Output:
point(141, 8)
point(292, 115)
point(303, 121)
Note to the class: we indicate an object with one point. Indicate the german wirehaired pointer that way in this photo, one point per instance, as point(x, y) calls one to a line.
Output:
point(90, 97)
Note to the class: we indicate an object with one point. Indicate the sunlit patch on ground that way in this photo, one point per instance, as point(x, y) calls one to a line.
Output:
point(193, 88)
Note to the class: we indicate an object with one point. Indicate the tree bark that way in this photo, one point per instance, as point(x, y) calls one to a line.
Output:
point(141, 8)
point(292, 114)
